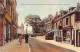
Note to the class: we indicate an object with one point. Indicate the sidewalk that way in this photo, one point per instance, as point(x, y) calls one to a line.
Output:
point(61, 44)
point(15, 46)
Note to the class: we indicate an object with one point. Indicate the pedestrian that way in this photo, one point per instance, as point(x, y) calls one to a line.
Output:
point(26, 38)
point(20, 39)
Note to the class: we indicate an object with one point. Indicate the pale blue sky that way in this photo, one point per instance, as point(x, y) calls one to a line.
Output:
point(41, 10)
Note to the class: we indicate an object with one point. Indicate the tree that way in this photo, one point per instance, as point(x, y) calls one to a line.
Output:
point(33, 20)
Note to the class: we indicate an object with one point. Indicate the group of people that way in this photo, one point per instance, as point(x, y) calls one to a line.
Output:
point(26, 38)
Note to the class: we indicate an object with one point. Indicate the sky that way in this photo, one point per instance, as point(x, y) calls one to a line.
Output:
point(42, 10)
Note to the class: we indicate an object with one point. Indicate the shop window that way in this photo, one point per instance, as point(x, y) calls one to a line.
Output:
point(67, 21)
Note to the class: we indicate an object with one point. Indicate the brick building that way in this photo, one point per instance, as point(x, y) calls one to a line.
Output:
point(67, 25)
point(8, 20)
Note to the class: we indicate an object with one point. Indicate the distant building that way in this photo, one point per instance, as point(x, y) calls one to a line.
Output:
point(21, 29)
point(48, 23)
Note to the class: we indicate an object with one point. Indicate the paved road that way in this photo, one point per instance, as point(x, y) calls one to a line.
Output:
point(37, 46)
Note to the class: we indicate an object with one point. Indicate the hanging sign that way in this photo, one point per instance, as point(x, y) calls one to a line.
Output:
point(8, 17)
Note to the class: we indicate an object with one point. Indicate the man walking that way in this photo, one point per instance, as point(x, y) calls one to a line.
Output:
point(26, 38)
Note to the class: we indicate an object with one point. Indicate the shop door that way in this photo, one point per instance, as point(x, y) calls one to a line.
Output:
point(64, 35)
point(78, 38)
point(60, 35)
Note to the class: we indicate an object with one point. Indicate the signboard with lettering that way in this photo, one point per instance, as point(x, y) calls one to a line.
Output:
point(8, 17)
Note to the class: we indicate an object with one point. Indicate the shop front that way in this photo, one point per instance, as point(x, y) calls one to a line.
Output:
point(68, 36)
point(1, 30)
point(7, 29)
point(60, 32)
point(56, 35)
point(60, 35)
point(78, 38)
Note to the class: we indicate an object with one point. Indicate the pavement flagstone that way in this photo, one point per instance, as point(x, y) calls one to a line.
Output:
point(14, 46)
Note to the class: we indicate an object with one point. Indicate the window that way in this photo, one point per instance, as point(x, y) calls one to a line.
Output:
point(77, 17)
point(66, 21)
point(60, 23)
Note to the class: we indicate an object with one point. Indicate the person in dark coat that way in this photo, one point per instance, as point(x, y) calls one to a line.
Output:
point(26, 38)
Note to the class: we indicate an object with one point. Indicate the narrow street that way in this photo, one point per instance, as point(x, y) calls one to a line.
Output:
point(37, 46)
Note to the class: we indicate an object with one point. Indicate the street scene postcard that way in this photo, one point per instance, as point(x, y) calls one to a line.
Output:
point(39, 25)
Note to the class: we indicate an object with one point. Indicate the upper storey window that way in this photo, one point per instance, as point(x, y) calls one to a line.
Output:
point(67, 21)
point(77, 18)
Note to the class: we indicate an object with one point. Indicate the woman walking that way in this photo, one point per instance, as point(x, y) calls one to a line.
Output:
point(20, 39)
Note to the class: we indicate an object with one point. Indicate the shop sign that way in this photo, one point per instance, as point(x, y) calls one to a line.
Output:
point(8, 17)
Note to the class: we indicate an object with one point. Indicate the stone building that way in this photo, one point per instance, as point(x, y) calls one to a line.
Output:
point(67, 24)
point(8, 20)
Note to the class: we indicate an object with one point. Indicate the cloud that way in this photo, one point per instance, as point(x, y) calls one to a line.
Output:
point(20, 21)
point(46, 6)
point(55, 6)
point(27, 7)
point(20, 9)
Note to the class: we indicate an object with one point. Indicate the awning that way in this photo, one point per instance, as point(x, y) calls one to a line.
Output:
point(68, 27)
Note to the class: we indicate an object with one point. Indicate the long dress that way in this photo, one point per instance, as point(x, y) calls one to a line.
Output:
point(20, 39)
point(26, 38)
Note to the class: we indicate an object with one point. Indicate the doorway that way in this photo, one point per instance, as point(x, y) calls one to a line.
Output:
point(78, 38)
